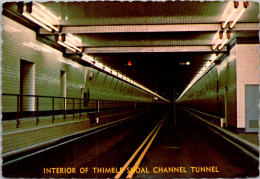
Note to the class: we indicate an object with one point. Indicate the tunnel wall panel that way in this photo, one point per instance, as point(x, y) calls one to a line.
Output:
point(227, 80)
point(19, 43)
point(248, 58)
point(207, 94)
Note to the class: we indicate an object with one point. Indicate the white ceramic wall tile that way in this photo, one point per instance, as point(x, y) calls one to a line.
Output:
point(247, 73)
point(19, 43)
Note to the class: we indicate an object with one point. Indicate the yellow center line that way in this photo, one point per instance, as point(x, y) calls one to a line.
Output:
point(136, 152)
point(137, 163)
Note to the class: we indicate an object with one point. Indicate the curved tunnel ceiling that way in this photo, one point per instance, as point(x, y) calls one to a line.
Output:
point(156, 37)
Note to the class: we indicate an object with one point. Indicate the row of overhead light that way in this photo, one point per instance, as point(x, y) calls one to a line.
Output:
point(232, 13)
point(40, 15)
point(101, 66)
point(200, 73)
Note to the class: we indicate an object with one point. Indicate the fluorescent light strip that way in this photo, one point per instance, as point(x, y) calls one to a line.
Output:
point(65, 45)
point(223, 43)
point(73, 39)
point(73, 46)
point(208, 64)
point(44, 21)
point(219, 41)
point(229, 17)
point(87, 58)
point(239, 15)
point(197, 77)
point(226, 10)
point(225, 40)
point(27, 15)
point(101, 66)
point(44, 10)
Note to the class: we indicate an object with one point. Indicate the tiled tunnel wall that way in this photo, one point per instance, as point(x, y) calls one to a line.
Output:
point(247, 58)
point(20, 44)
point(208, 93)
point(46, 72)
point(230, 77)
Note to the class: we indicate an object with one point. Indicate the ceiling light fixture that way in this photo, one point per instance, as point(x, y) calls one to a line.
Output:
point(121, 76)
point(46, 13)
point(238, 9)
point(38, 15)
point(225, 40)
point(62, 41)
point(28, 16)
point(203, 70)
point(235, 7)
point(73, 46)
point(245, 5)
point(44, 21)
point(218, 38)
point(185, 63)
point(99, 65)
point(87, 58)
point(73, 41)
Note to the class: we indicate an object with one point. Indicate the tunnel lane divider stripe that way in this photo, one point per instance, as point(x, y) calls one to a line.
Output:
point(247, 143)
point(137, 163)
point(125, 112)
point(202, 112)
point(240, 147)
point(109, 125)
point(136, 152)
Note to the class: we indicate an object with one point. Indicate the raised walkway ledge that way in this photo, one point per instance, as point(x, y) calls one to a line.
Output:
point(249, 141)
point(30, 136)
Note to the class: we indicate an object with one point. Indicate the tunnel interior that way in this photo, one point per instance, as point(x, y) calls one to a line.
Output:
point(89, 87)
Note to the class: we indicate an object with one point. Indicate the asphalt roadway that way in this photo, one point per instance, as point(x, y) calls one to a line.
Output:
point(183, 147)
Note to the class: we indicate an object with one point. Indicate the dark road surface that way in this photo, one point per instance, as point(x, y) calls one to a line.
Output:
point(191, 144)
point(188, 144)
point(109, 148)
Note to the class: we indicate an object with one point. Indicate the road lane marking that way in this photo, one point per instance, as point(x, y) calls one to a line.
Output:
point(202, 112)
point(169, 147)
point(137, 163)
point(136, 152)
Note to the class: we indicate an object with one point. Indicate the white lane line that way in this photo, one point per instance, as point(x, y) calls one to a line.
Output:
point(203, 112)
point(71, 140)
point(136, 152)
point(117, 114)
point(137, 163)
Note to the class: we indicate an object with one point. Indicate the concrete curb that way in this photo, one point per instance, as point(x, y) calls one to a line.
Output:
point(246, 144)
point(52, 141)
